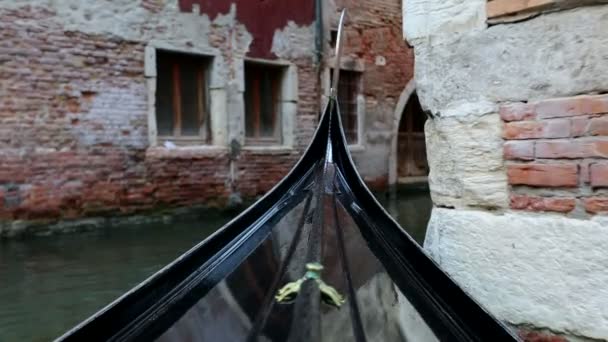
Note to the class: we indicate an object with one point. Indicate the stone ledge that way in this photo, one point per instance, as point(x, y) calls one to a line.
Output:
point(505, 11)
point(268, 149)
point(29, 228)
point(541, 269)
point(181, 152)
point(499, 8)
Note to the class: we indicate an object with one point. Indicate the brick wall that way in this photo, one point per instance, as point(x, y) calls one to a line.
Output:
point(374, 33)
point(556, 152)
point(374, 38)
point(73, 127)
point(74, 103)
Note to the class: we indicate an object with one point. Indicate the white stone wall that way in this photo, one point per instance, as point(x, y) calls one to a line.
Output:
point(537, 269)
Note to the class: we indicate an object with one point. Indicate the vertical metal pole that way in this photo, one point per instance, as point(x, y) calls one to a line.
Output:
point(307, 314)
point(264, 312)
point(333, 91)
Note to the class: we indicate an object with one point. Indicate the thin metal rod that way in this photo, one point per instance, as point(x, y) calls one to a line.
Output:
point(333, 91)
point(267, 305)
point(306, 324)
point(355, 314)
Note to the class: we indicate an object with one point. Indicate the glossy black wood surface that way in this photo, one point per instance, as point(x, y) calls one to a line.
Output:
point(150, 309)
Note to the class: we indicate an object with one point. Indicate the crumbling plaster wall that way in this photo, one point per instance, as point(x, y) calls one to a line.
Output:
point(77, 108)
point(541, 269)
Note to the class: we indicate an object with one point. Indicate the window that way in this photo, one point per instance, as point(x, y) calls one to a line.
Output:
point(181, 98)
point(349, 88)
point(262, 103)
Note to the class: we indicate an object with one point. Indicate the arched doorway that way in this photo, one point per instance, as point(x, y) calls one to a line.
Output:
point(412, 165)
point(409, 200)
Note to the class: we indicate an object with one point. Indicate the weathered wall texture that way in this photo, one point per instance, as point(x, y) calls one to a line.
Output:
point(548, 270)
point(520, 196)
point(557, 152)
point(74, 106)
point(78, 80)
point(374, 45)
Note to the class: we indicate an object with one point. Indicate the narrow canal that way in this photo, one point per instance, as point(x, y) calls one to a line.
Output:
point(49, 284)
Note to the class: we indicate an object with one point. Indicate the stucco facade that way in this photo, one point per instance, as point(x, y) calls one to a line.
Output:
point(517, 151)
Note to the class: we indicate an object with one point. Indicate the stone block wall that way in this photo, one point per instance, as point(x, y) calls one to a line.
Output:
point(517, 153)
point(557, 154)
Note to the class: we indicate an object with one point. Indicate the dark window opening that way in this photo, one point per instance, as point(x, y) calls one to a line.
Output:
point(262, 103)
point(181, 97)
point(411, 143)
point(349, 87)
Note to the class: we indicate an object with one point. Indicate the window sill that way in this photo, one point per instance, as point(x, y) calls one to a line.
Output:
point(356, 148)
point(186, 152)
point(273, 149)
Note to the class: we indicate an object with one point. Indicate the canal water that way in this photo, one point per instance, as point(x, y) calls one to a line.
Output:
point(49, 284)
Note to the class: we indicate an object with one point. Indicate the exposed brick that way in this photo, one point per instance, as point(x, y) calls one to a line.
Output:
point(580, 126)
point(590, 126)
point(599, 126)
point(599, 175)
point(81, 99)
point(572, 106)
point(535, 336)
point(519, 201)
point(543, 175)
point(532, 203)
point(517, 111)
point(559, 128)
point(522, 150)
point(571, 149)
point(595, 205)
point(562, 205)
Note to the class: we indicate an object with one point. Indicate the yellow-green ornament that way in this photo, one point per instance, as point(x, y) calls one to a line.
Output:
point(329, 295)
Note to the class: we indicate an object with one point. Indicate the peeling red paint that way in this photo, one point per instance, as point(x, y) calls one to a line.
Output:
point(261, 18)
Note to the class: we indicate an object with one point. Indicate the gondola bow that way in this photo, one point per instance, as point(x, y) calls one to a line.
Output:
point(315, 259)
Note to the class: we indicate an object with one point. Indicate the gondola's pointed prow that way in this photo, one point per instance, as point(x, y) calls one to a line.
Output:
point(307, 305)
point(201, 278)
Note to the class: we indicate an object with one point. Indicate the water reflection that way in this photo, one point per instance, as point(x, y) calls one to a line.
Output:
point(241, 307)
point(49, 284)
point(410, 205)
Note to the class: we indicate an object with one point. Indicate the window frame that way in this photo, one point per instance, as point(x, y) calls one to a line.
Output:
point(353, 99)
point(354, 66)
point(204, 137)
point(279, 89)
point(226, 108)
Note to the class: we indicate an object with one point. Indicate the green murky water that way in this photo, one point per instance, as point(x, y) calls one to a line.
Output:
point(49, 284)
